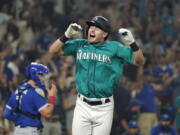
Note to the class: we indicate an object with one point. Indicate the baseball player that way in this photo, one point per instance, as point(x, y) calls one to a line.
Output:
point(27, 104)
point(99, 66)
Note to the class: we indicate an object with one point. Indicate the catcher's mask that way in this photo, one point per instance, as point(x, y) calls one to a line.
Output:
point(100, 22)
point(38, 73)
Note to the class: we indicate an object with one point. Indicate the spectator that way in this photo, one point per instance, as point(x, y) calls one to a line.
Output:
point(163, 127)
point(122, 97)
point(166, 18)
point(69, 105)
point(177, 119)
point(131, 114)
point(147, 117)
point(13, 65)
point(46, 38)
point(176, 87)
point(133, 128)
point(175, 84)
point(27, 39)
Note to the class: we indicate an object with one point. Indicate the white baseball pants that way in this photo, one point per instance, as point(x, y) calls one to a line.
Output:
point(26, 131)
point(92, 120)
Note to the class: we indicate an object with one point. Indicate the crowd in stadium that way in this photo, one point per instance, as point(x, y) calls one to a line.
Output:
point(28, 27)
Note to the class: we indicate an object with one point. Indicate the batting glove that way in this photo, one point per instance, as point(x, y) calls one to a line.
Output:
point(126, 36)
point(73, 31)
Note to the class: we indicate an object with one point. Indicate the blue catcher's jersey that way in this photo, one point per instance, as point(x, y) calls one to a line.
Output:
point(31, 101)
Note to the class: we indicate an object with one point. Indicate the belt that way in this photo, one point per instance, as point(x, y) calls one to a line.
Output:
point(107, 100)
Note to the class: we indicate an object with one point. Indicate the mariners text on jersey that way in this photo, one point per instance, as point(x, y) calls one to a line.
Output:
point(93, 56)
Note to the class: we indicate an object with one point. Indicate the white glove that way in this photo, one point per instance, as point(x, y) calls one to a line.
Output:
point(126, 36)
point(73, 31)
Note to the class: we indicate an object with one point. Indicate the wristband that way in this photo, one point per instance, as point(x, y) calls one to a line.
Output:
point(51, 100)
point(134, 47)
point(63, 38)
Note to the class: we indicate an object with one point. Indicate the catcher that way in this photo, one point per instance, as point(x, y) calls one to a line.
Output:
point(27, 104)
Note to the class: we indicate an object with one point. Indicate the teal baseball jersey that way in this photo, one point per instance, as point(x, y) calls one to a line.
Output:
point(98, 67)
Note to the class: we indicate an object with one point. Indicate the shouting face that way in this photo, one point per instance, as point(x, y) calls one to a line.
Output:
point(96, 35)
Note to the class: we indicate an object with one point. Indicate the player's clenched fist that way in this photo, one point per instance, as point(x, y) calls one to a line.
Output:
point(126, 36)
point(73, 31)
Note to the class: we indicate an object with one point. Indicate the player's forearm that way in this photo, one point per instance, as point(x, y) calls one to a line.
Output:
point(56, 46)
point(139, 58)
point(50, 110)
point(47, 111)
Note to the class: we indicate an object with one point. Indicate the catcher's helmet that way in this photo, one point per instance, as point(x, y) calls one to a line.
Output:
point(33, 71)
point(100, 22)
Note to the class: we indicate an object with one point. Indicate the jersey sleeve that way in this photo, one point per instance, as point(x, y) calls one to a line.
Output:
point(39, 101)
point(8, 111)
point(11, 104)
point(71, 47)
point(125, 53)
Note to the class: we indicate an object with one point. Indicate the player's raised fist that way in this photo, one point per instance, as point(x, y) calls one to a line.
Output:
point(126, 36)
point(73, 31)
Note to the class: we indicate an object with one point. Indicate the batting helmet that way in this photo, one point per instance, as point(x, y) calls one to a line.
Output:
point(100, 22)
point(33, 71)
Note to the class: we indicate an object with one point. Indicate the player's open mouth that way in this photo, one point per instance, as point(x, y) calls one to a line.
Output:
point(92, 36)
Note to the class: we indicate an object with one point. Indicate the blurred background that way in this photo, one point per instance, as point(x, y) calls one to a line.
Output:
point(28, 27)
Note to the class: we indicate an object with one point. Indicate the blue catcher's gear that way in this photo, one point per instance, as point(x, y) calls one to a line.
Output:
point(34, 72)
point(24, 106)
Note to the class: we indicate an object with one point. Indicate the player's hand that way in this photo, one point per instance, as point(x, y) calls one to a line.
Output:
point(52, 91)
point(73, 31)
point(126, 36)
